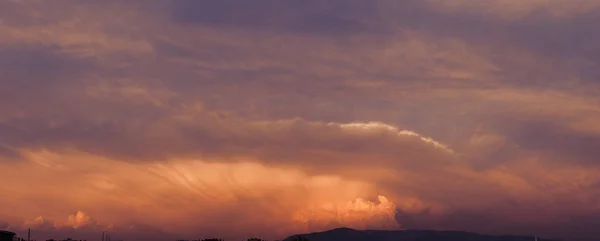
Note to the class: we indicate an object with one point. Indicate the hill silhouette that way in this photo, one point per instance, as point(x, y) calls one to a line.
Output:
point(348, 234)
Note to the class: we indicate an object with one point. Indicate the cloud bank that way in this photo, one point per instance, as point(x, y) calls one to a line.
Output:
point(189, 119)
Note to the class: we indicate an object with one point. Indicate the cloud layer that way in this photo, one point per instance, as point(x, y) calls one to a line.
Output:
point(153, 119)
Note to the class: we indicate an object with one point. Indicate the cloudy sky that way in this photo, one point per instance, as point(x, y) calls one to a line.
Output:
point(156, 120)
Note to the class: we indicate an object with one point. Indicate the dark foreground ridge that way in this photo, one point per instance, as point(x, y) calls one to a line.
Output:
point(347, 234)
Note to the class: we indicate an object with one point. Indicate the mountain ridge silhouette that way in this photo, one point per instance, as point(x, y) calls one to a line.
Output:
point(348, 234)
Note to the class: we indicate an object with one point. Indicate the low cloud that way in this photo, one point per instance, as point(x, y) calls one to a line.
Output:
point(73, 221)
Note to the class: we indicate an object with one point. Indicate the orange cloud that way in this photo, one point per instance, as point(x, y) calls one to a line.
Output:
point(213, 193)
point(75, 221)
point(229, 189)
point(411, 114)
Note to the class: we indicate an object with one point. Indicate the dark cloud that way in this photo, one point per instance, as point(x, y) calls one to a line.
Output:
point(7, 153)
point(38, 66)
point(18, 14)
point(405, 220)
point(562, 143)
point(330, 17)
point(32, 75)
point(572, 36)
point(4, 225)
point(275, 142)
point(558, 41)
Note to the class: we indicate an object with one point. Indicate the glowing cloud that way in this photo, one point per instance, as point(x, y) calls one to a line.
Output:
point(156, 119)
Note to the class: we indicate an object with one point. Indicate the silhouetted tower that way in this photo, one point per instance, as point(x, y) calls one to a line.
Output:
point(29, 234)
point(102, 236)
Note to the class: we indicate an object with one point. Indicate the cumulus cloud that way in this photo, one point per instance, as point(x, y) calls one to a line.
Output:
point(78, 220)
point(74, 221)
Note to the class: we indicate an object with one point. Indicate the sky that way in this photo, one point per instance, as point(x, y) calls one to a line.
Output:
point(160, 120)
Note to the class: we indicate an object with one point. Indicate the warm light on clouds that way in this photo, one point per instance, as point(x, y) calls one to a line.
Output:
point(202, 193)
point(74, 221)
point(157, 120)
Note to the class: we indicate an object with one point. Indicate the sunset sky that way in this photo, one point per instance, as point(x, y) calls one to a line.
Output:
point(160, 120)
